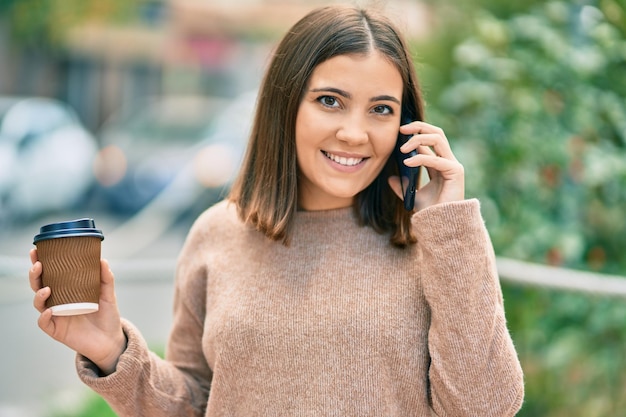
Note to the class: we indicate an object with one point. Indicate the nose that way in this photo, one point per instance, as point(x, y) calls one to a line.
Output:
point(353, 131)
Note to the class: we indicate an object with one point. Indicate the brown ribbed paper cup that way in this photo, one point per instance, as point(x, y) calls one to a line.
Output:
point(69, 253)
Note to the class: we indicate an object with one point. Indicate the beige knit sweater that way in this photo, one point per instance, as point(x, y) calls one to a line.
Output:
point(339, 323)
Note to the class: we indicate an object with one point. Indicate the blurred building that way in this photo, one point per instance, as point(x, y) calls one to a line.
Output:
point(191, 47)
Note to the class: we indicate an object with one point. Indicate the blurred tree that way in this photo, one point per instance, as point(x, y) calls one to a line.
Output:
point(571, 347)
point(43, 23)
point(532, 95)
point(535, 104)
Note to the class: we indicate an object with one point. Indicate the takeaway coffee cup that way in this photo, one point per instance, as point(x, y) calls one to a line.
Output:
point(69, 253)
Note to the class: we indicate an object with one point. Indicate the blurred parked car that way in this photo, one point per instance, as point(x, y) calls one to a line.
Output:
point(184, 149)
point(46, 158)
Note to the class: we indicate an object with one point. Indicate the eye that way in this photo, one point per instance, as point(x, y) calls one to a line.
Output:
point(382, 109)
point(328, 101)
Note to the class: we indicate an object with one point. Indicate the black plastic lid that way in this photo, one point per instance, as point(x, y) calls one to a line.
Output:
point(72, 228)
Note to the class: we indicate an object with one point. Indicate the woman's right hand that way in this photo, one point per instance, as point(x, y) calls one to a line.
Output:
point(97, 336)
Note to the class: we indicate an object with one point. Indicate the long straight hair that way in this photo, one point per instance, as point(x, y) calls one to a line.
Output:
point(266, 190)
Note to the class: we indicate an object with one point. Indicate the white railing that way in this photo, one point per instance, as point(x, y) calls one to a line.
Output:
point(527, 273)
point(510, 270)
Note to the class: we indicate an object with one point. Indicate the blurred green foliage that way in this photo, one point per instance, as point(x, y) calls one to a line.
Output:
point(535, 107)
point(572, 348)
point(532, 95)
point(44, 23)
point(93, 406)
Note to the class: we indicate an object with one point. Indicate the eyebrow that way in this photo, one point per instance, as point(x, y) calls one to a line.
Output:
point(347, 95)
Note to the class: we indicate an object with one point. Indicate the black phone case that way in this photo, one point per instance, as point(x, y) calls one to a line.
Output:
point(411, 173)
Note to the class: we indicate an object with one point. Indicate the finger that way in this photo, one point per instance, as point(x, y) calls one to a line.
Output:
point(432, 161)
point(33, 255)
point(426, 150)
point(419, 127)
point(428, 135)
point(45, 322)
point(436, 165)
point(40, 299)
point(34, 276)
point(429, 142)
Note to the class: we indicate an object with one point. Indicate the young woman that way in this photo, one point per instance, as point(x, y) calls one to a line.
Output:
point(311, 291)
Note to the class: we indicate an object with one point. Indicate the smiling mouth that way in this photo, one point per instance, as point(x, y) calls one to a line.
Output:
point(349, 162)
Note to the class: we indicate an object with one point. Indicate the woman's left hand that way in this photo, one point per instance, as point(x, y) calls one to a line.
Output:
point(446, 174)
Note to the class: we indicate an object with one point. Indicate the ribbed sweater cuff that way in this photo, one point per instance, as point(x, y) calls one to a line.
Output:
point(128, 366)
point(448, 220)
point(456, 250)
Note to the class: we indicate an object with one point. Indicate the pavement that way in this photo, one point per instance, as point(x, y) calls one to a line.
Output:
point(37, 374)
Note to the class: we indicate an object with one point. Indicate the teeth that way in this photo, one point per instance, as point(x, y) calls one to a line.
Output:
point(342, 160)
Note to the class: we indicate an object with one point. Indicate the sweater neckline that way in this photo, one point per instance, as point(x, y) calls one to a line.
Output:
point(325, 215)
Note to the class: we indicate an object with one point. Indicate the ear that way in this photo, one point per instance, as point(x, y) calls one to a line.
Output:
point(394, 183)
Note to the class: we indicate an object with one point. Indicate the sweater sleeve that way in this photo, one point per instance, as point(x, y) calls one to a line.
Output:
point(143, 383)
point(474, 368)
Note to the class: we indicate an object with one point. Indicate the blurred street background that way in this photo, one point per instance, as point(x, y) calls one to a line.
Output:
point(136, 114)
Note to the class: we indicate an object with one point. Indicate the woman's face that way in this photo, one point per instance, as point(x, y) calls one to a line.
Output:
point(346, 128)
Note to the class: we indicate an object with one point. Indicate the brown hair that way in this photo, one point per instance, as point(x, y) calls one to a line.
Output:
point(266, 189)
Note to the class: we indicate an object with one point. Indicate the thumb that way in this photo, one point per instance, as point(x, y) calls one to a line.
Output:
point(107, 283)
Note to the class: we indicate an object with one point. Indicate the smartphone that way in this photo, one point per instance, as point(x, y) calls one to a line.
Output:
point(409, 176)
